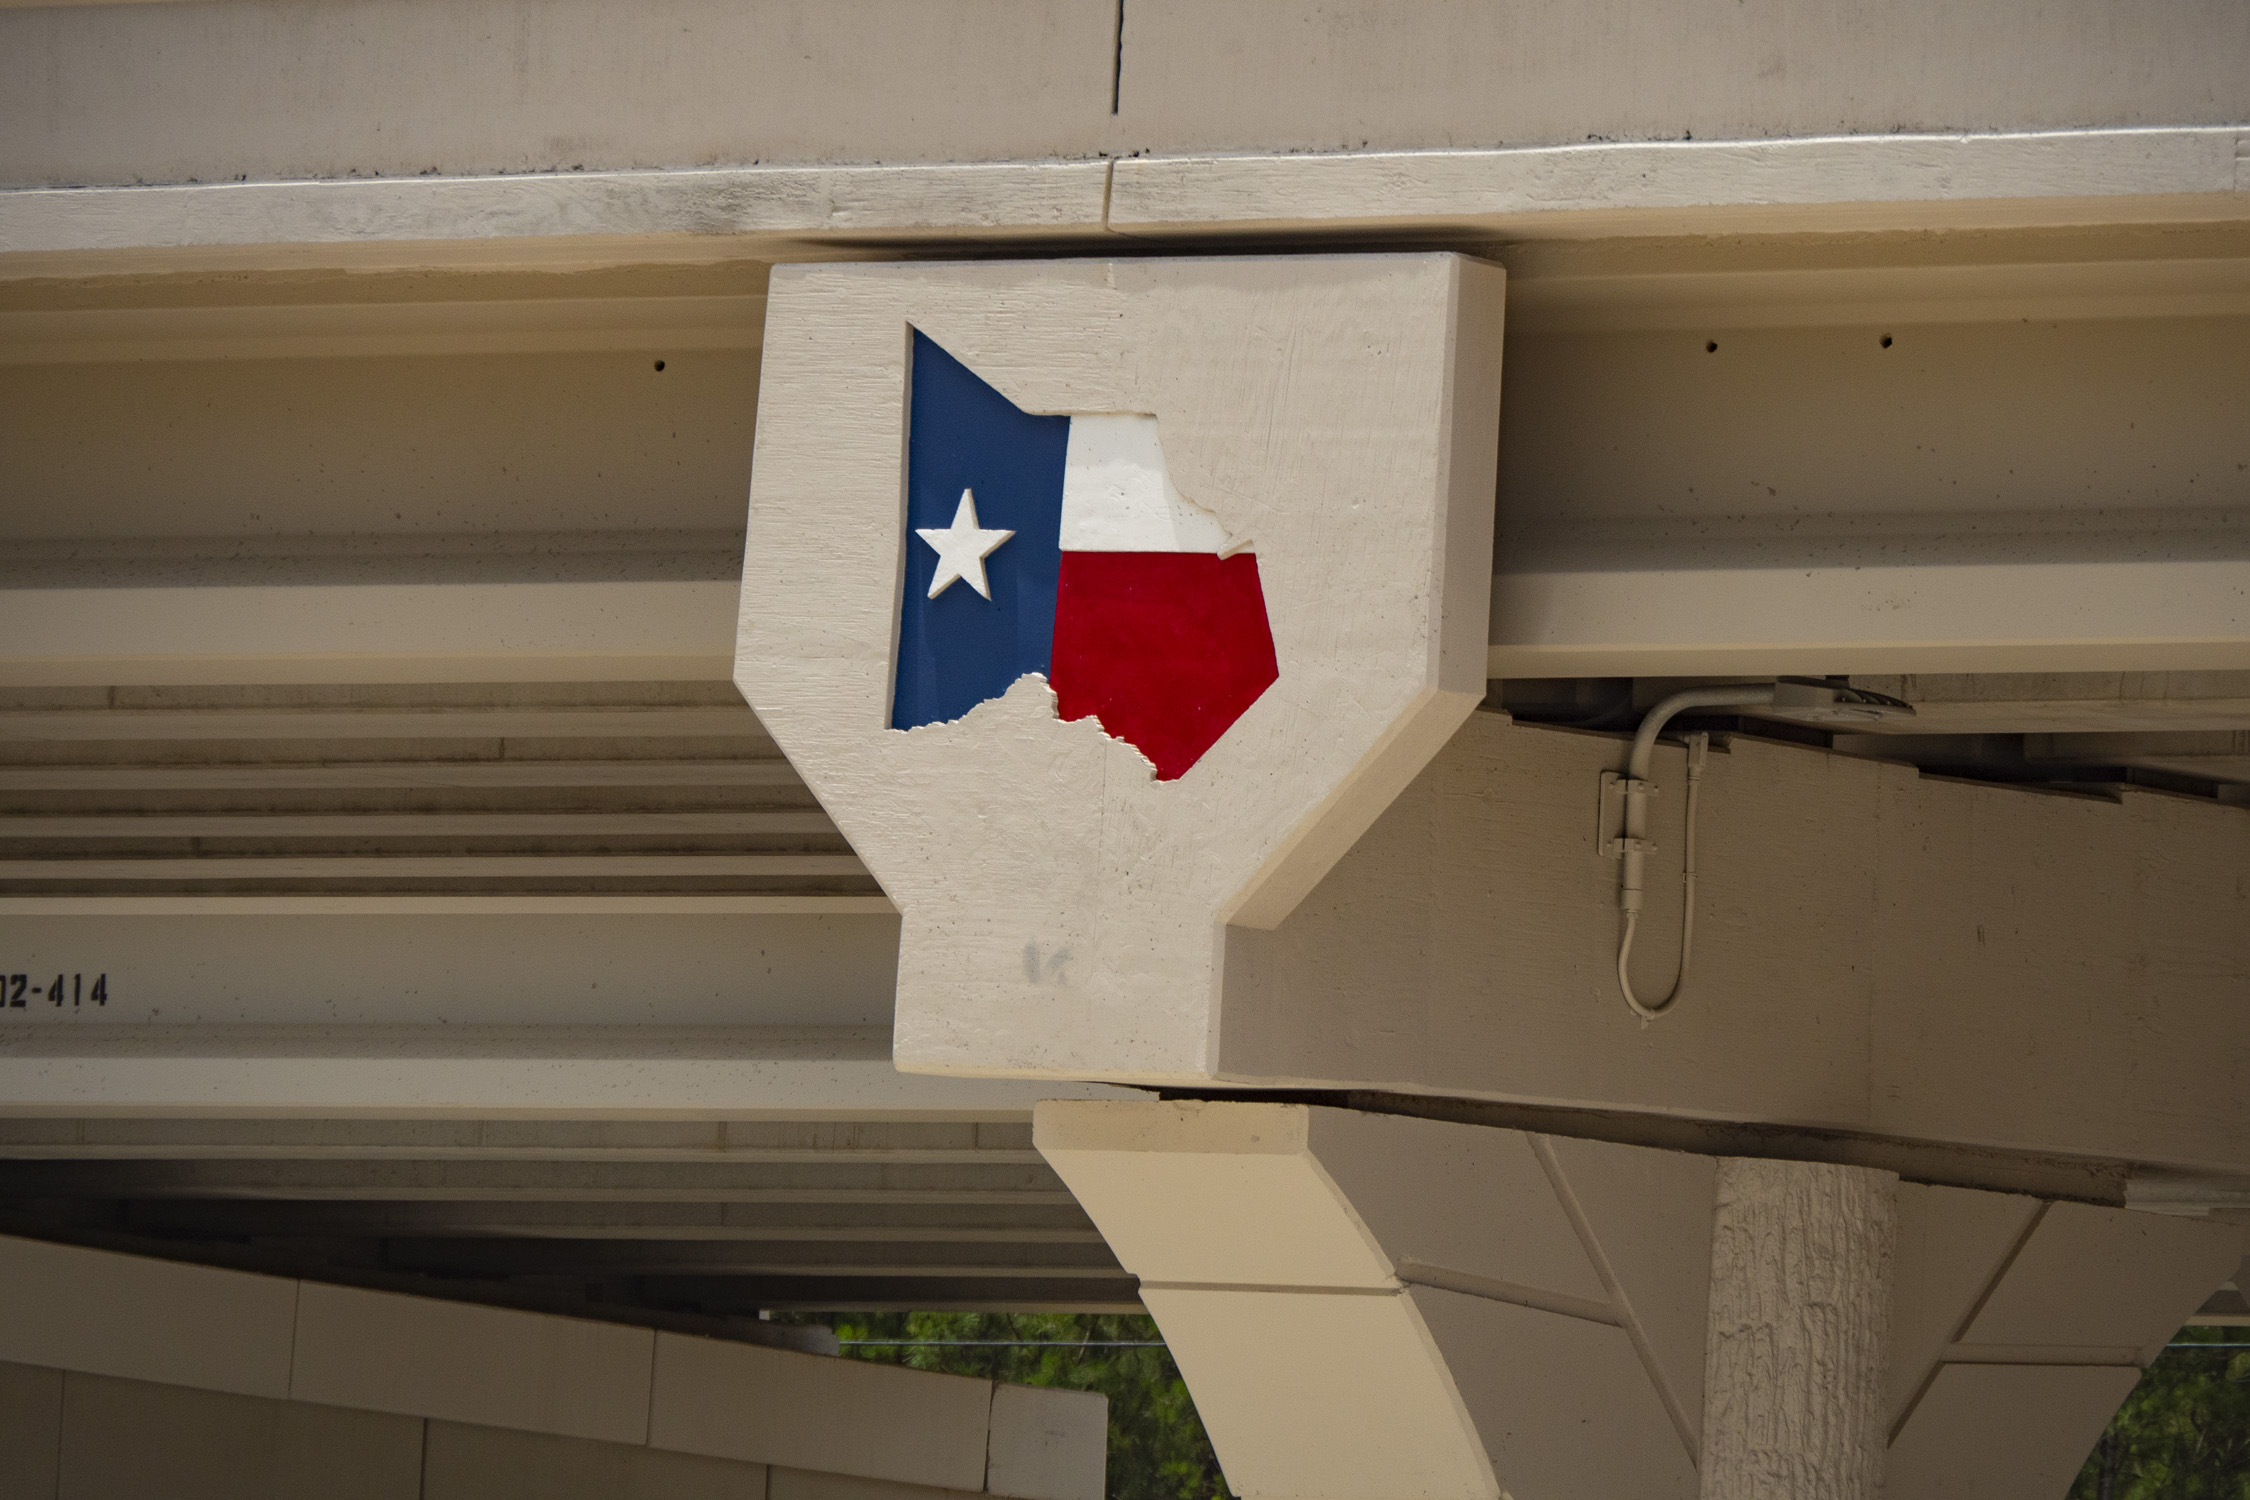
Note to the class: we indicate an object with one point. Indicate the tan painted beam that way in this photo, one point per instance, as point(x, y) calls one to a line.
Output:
point(1827, 184)
point(1884, 182)
point(469, 1072)
point(380, 330)
point(2080, 715)
point(427, 866)
point(1876, 952)
point(155, 825)
point(371, 774)
point(429, 903)
point(375, 632)
point(1721, 476)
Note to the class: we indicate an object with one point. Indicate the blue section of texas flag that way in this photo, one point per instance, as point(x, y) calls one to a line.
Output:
point(959, 649)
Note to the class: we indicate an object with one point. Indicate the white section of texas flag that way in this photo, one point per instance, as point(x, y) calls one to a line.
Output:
point(1119, 497)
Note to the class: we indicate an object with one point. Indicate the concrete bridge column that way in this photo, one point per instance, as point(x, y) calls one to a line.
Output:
point(1797, 1355)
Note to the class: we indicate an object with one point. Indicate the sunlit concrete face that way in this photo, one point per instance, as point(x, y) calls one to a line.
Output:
point(102, 94)
point(1063, 898)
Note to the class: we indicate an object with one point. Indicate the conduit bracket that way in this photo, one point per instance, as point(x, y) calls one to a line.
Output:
point(1609, 817)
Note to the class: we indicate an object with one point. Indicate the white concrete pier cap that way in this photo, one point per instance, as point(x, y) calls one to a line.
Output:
point(1065, 914)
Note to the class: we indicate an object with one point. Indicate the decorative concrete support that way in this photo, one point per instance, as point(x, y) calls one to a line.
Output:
point(1371, 1307)
point(1800, 1322)
point(1068, 886)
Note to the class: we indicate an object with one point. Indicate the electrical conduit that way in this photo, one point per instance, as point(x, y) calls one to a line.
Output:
point(1635, 845)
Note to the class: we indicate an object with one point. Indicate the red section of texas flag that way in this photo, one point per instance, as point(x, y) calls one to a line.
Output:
point(1166, 649)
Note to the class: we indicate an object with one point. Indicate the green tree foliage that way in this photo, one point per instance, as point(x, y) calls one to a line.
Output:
point(1157, 1450)
point(2184, 1433)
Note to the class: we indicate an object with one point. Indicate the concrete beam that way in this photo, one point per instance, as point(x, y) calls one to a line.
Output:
point(889, 1223)
point(690, 321)
point(200, 973)
point(327, 800)
point(308, 480)
point(1823, 184)
point(1884, 182)
point(442, 1180)
point(771, 1143)
point(1877, 953)
point(486, 1258)
point(550, 221)
point(2136, 713)
point(585, 631)
point(1850, 618)
point(1759, 471)
point(468, 1072)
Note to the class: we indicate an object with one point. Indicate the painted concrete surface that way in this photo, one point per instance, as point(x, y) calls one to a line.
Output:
point(1877, 951)
point(1887, 488)
point(1566, 1318)
point(410, 970)
point(2074, 178)
point(1337, 411)
point(101, 94)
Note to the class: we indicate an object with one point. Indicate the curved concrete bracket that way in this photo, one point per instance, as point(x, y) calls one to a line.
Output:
point(1378, 1306)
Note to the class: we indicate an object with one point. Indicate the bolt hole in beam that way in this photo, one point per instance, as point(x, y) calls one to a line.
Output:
point(1886, 341)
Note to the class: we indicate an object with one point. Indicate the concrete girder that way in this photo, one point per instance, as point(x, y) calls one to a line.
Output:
point(573, 221)
point(1879, 953)
point(94, 92)
point(1709, 465)
point(799, 1141)
point(833, 1223)
point(644, 1220)
point(518, 1181)
point(1738, 483)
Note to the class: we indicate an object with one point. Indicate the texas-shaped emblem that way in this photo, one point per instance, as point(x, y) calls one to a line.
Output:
point(1059, 547)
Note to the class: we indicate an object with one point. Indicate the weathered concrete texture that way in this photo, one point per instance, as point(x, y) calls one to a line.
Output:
point(1278, 74)
point(575, 220)
point(1794, 1369)
point(1062, 912)
point(1824, 184)
point(169, 93)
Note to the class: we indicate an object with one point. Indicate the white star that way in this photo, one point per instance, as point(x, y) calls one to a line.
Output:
point(961, 548)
